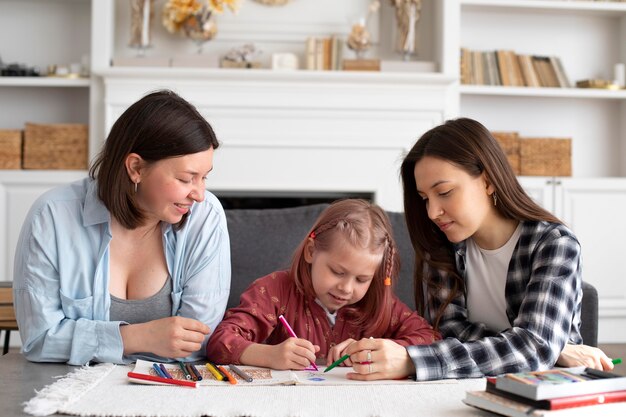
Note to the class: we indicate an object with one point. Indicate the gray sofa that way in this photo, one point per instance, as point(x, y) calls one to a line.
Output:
point(262, 241)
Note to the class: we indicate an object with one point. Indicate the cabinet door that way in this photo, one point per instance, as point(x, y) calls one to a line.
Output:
point(540, 189)
point(594, 209)
point(18, 191)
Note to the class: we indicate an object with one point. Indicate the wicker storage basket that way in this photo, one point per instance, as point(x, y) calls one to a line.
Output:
point(546, 156)
point(10, 149)
point(510, 144)
point(55, 146)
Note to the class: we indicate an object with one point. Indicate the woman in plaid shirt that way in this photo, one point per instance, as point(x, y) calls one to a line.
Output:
point(497, 275)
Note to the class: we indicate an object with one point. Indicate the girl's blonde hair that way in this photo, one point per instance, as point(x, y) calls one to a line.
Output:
point(363, 225)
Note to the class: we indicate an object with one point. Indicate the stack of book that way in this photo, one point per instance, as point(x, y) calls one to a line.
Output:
point(324, 53)
point(565, 392)
point(506, 68)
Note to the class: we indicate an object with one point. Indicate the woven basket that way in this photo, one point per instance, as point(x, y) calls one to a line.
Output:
point(510, 144)
point(55, 146)
point(10, 149)
point(546, 156)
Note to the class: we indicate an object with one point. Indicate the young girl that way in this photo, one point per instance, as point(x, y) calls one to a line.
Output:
point(338, 290)
point(498, 275)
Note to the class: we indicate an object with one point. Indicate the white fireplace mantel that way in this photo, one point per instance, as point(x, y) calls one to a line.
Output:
point(299, 131)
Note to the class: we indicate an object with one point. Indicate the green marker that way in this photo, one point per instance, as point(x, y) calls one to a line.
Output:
point(337, 362)
point(617, 361)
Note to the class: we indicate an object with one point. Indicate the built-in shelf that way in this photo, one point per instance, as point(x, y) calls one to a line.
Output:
point(591, 93)
point(587, 8)
point(43, 82)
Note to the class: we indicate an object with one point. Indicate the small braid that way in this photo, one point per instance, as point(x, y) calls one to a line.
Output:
point(389, 252)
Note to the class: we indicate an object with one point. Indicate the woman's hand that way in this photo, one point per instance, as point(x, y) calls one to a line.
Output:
point(170, 337)
point(583, 355)
point(338, 351)
point(379, 359)
point(293, 353)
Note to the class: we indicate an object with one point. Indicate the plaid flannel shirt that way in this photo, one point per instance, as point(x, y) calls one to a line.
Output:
point(543, 296)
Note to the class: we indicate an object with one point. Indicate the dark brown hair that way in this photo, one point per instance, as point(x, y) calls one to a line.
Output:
point(160, 125)
point(468, 145)
point(363, 225)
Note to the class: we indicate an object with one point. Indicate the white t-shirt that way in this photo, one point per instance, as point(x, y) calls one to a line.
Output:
point(486, 282)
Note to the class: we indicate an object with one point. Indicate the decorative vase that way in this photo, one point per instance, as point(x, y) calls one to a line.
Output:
point(200, 27)
point(141, 14)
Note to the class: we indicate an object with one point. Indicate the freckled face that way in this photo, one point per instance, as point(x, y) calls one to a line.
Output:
point(458, 203)
point(168, 188)
point(343, 275)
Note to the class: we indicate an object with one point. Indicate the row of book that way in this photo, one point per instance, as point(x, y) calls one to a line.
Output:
point(505, 67)
point(324, 54)
point(559, 392)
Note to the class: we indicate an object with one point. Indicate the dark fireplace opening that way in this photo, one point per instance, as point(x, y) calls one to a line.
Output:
point(269, 200)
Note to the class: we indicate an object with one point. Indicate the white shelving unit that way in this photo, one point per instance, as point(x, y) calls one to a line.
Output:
point(589, 37)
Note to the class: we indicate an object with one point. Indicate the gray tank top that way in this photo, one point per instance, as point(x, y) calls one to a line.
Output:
point(155, 307)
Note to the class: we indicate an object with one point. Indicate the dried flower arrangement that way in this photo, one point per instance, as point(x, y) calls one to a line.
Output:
point(177, 12)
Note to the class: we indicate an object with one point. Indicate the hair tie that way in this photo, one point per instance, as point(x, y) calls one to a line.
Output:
point(387, 282)
point(312, 235)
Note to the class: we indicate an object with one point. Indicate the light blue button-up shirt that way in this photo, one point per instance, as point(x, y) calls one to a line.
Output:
point(61, 276)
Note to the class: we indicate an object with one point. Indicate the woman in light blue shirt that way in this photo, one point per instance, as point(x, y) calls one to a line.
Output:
point(133, 261)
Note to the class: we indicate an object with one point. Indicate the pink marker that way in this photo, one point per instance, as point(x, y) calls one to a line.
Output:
point(283, 320)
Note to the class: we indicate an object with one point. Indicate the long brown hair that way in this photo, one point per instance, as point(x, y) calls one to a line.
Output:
point(470, 146)
point(363, 225)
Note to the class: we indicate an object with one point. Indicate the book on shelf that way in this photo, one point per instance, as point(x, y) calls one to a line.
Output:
point(528, 71)
point(323, 53)
point(507, 407)
point(560, 403)
point(144, 373)
point(545, 71)
point(560, 72)
point(556, 383)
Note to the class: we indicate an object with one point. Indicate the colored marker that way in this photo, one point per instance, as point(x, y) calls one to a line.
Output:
point(241, 373)
point(184, 369)
point(283, 320)
point(214, 371)
point(190, 371)
point(337, 362)
point(195, 371)
point(617, 361)
point(158, 379)
point(164, 370)
point(158, 370)
point(231, 378)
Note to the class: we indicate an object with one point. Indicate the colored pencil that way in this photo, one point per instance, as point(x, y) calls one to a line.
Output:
point(158, 370)
point(197, 372)
point(230, 378)
point(337, 362)
point(158, 379)
point(165, 372)
point(241, 373)
point(184, 369)
point(190, 371)
point(214, 371)
point(283, 320)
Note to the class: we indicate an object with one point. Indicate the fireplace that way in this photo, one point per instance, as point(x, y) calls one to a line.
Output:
point(291, 138)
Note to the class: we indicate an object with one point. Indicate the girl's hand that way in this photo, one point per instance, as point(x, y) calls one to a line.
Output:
point(379, 359)
point(338, 351)
point(170, 337)
point(293, 353)
point(583, 355)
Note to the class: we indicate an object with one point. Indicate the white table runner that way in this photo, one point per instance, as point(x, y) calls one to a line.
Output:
point(104, 390)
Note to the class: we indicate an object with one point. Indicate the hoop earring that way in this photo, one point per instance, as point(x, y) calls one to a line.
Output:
point(495, 198)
